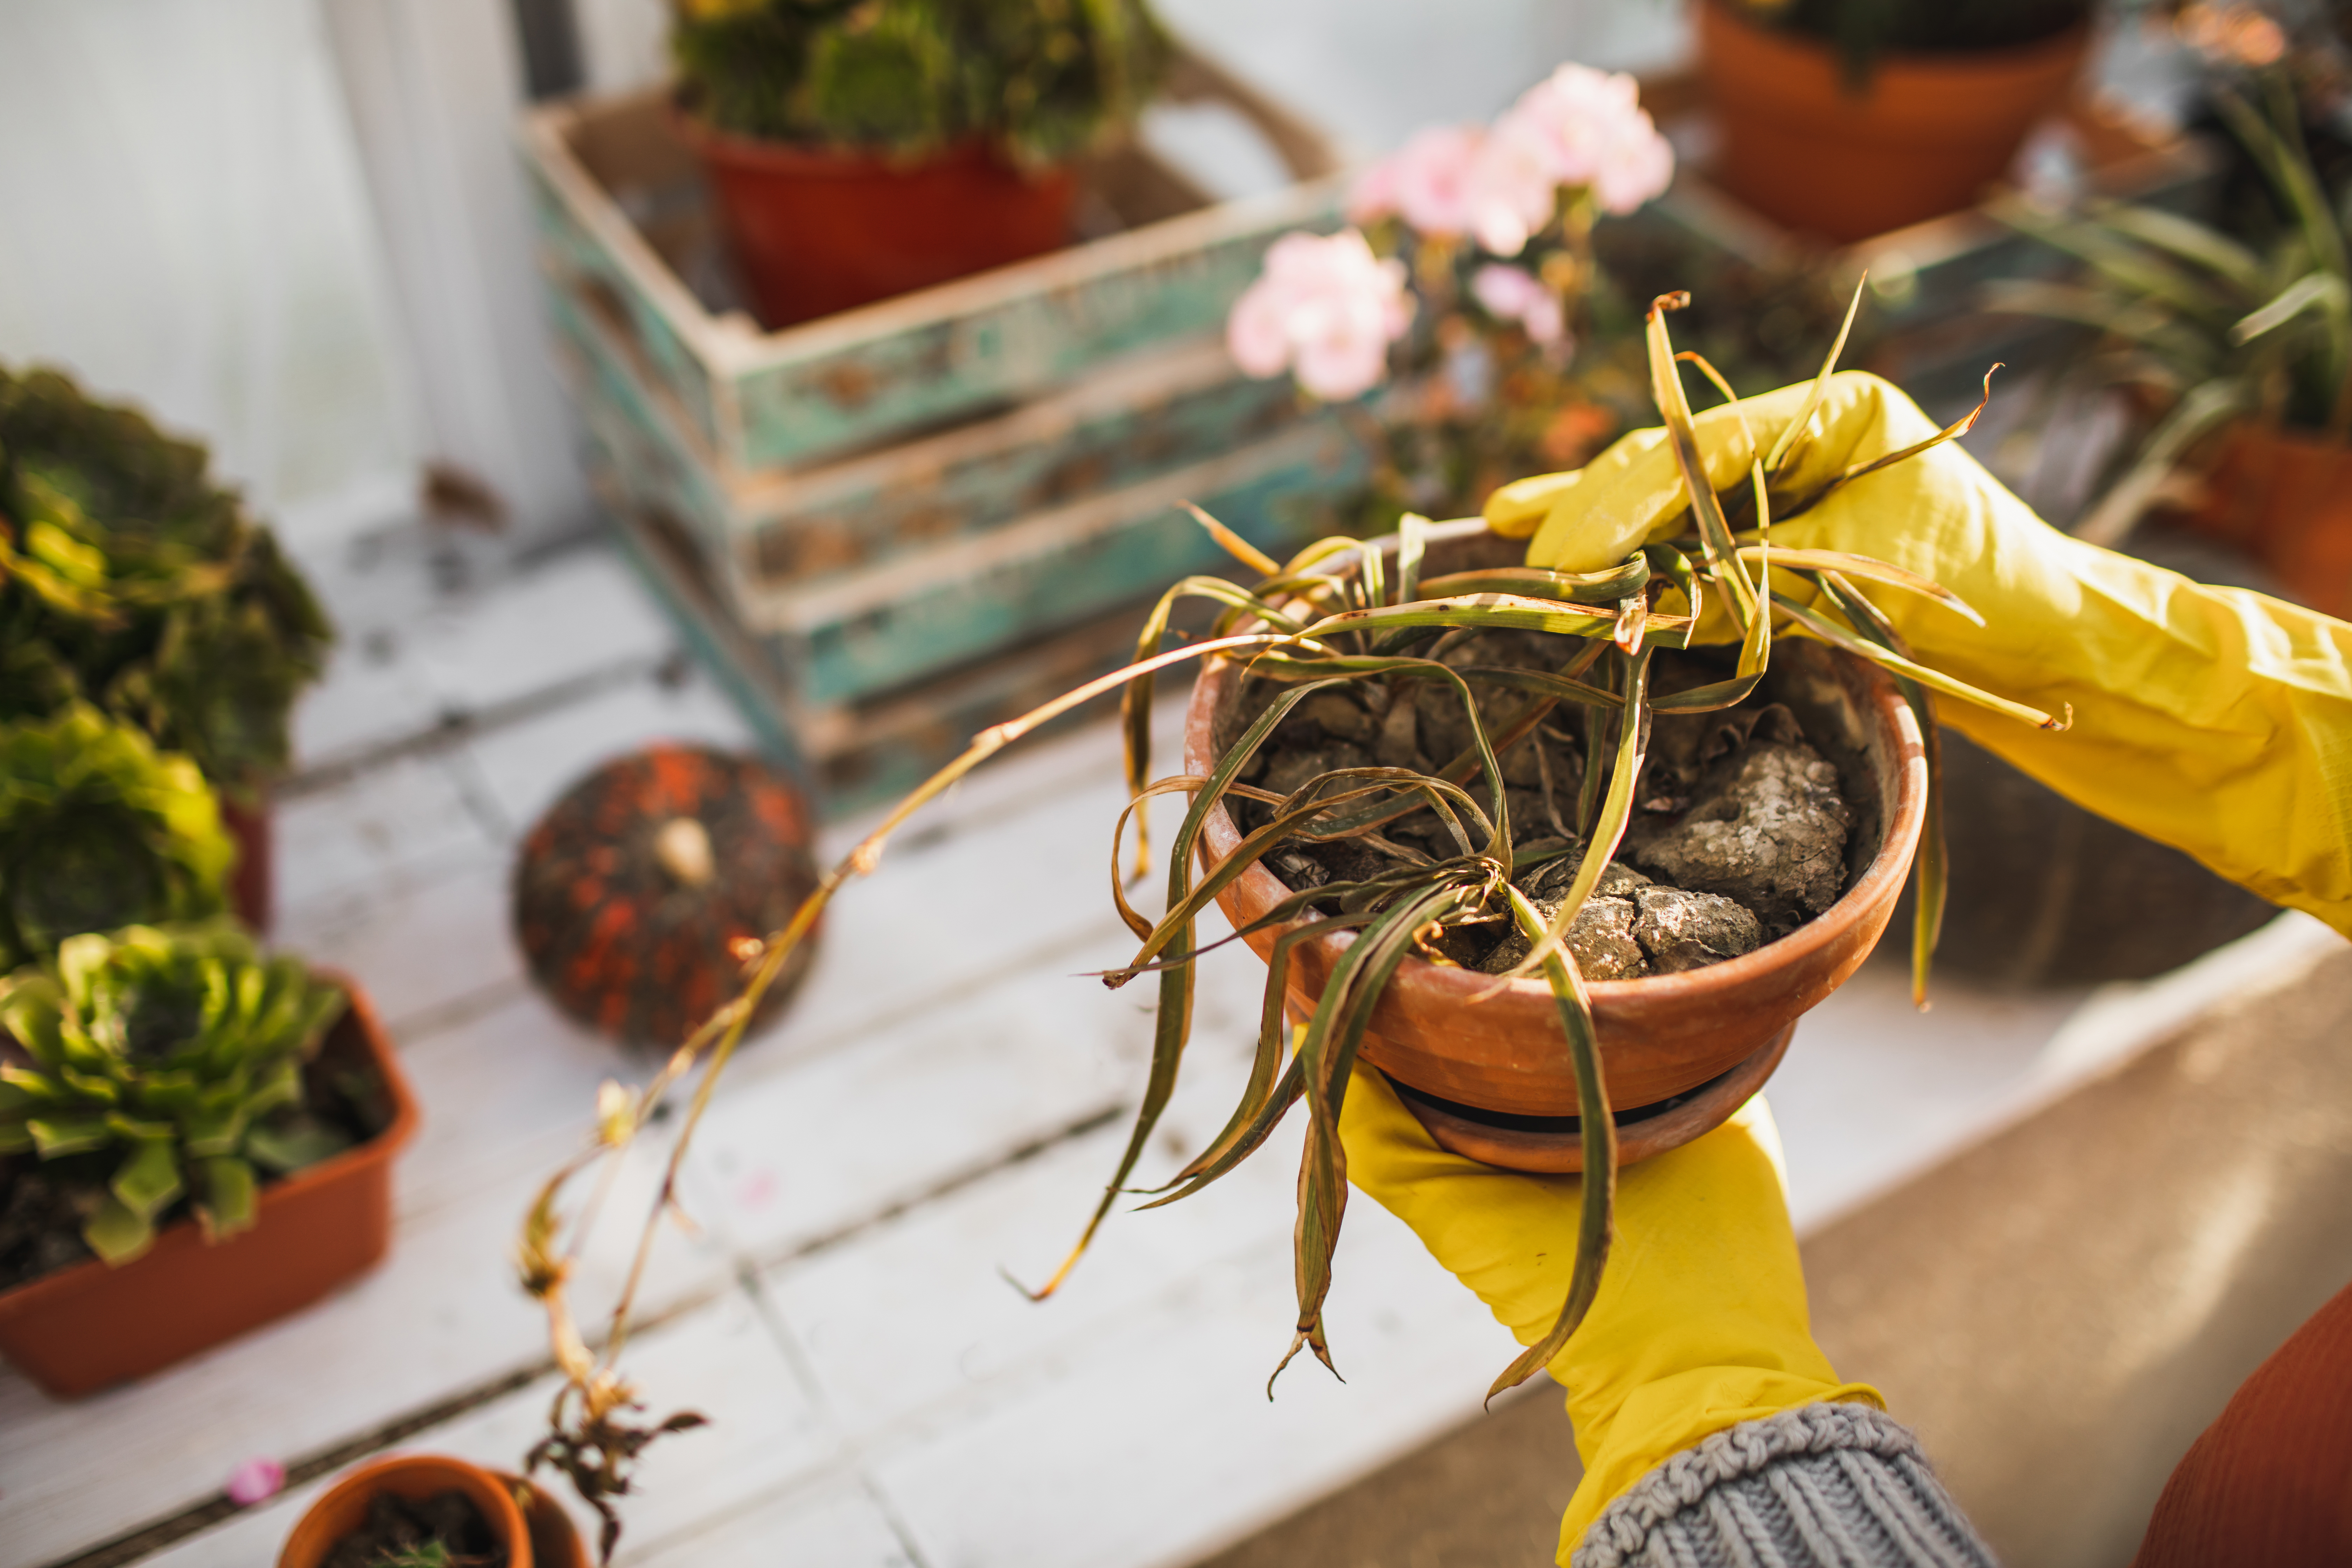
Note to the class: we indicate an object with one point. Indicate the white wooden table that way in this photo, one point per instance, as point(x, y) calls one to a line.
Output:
point(942, 1101)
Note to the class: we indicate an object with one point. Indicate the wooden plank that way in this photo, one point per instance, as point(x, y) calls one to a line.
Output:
point(764, 531)
point(757, 400)
point(869, 631)
point(721, 1359)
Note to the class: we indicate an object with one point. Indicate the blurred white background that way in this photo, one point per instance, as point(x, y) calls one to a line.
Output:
point(294, 226)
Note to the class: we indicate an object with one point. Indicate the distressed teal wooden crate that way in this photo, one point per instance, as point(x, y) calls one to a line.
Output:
point(870, 750)
point(624, 232)
point(836, 636)
point(799, 527)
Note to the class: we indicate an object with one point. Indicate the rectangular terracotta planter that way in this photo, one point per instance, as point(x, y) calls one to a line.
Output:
point(90, 1327)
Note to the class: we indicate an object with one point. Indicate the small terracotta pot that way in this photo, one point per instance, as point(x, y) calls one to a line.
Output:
point(343, 1507)
point(90, 1326)
point(819, 229)
point(554, 1542)
point(1925, 136)
point(1679, 1052)
point(252, 889)
point(2285, 496)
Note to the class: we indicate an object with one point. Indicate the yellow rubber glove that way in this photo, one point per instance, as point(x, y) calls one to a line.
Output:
point(1700, 1323)
point(2213, 719)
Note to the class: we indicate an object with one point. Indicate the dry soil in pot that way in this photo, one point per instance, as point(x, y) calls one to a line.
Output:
point(1739, 834)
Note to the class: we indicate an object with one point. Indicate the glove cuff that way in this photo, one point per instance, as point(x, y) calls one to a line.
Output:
point(1780, 1488)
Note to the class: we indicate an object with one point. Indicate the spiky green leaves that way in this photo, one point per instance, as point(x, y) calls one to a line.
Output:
point(1048, 79)
point(172, 1058)
point(129, 581)
point(98, 829)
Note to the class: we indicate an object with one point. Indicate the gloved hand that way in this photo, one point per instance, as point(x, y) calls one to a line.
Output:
point(1700, 1323)
point(2213, 719)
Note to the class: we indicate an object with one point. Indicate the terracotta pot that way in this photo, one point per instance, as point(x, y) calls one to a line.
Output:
point(816, 230)
point(90, 1326)
point(252, 885)
point(1926, 136)
point(554, 1542)
point(343, 1507)
point(1679, 1052)
point(2285, 496)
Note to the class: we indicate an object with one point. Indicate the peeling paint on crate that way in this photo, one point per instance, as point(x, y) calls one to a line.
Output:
point(624, 224)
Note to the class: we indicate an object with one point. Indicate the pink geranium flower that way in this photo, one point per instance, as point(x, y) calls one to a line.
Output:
point(1512, 190)
point(1511, 295)
point(1327, 308)
point(1588, 128)
point(1426, 182)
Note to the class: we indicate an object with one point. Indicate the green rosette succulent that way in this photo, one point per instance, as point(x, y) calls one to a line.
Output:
point(98, 829)
point(129, 580)
point(172, 1056)
point(1046, 79)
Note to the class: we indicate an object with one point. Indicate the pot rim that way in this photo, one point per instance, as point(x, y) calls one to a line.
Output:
point(844, 159)
point(2000, 58)
point(506, 1517)
point(396, 1136)
point(1713, 983)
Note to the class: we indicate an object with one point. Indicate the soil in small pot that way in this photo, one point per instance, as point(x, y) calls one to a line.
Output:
point(1738, 834)
point(44, 1203)
point(445, 1530)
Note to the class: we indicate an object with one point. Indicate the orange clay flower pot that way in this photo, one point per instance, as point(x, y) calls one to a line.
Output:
point(2285, 496)
point(820, 229)
point(344, 1507)
point(90, 1327)
point(1925, 137)
point(1679, 1053)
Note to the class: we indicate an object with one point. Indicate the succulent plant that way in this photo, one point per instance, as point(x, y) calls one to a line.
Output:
point(129, 580)
point(98, 829)
point(1048, 79)
point(172, 1055)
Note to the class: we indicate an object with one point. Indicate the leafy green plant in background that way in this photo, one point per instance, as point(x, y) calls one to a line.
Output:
point(98, 829)
point(129, 580)
point(1332, 615)
point(1046, 79)
point(2200, 327)
point(1861, 30)
point(170, 1057)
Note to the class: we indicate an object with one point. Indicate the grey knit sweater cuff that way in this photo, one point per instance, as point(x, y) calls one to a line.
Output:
point(1827, 1484)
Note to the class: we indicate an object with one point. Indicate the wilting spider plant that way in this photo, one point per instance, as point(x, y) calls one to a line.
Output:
point(1334, 614)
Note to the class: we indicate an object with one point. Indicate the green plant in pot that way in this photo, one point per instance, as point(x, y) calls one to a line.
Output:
point(864, 148)
point(163, 1062)
point(98, 829)
point(132, 581)
point(2231, 352)
point(1845, 118)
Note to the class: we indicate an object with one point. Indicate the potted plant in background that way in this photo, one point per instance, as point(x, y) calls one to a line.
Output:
point(864, 148)
point(1848, 118)
point(128, 580)
point(2231, 355)
point(98, 829)
point(182, 1120)
point(429, 1510)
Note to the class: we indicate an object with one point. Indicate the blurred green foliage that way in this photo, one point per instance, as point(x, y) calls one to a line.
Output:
point(129, 580)
point(97, 830)
point(1044, 80)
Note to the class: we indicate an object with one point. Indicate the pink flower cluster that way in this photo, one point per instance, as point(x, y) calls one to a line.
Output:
point(1577, 127)
point(1511, 295)
point(1325, 308)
